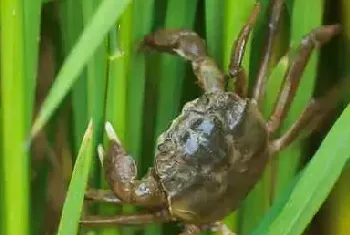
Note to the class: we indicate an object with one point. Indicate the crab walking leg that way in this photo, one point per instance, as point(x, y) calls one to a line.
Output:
point(219, 227)
point(120, 172)
point(261, 80)
point(310, 118)
point(136, 219)
point(224, 230)
point(191, 47)
point(315, 38)
point(235, 68)
point(101, 195)
point(191, 229)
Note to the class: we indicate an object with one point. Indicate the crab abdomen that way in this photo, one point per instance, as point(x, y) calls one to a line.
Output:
point(211, 156)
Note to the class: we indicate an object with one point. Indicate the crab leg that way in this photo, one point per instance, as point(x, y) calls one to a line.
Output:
point(191, 229)
point(260, 83)
point(235, 68)
point(102, 196)
point(219, 227)
point(190, 46)
point(120, 172)
point(310, 118)
point(291, 81)
point(135, 219)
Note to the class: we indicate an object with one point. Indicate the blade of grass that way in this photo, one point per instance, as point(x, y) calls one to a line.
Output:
point(214, 22)
point(142, 20)
point(115, 104)
point(14, 159)
point(31, 23)
point(305, 16)
point(315, 183)
point(338, 213)
point(274, 84)
point(32, 14)
point(73, 204)
point(106, 14)
point(172, 69)
point(96, 75)
point(71, 27)
point(117, 77)
point(125, 37)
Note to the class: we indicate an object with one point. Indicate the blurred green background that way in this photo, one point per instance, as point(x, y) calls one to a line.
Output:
point(140, 93)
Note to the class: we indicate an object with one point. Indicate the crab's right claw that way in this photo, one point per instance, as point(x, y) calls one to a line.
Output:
point(100, 152)
point(112, 135)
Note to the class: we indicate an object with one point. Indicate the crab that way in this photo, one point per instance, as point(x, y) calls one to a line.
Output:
point(216, 150)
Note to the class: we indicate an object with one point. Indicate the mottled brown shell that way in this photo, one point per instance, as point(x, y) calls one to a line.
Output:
point(211, 156)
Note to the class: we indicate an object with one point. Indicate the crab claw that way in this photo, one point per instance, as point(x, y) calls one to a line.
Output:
point(112, 135)
point(100, 152)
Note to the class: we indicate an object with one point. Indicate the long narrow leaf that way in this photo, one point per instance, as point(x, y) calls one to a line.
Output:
point(106, 15)
point(14, 159)
point(74, 201)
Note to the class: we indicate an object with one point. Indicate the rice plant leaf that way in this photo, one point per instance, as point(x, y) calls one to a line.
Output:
point(32, 18)
point(73, 204)
point(339, 201)
point(314, 185)
point(214, 21)
point(106, 15)
point(274, 85)
point(14, 160)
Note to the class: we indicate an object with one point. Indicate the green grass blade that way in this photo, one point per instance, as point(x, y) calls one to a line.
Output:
point(214, 22)
point(117, 74)
point(274, 84)
point(32, 14)
point(124, 34)
point(96, 75)
point(14, 115)
point(338, 213)
point(316, 181)
point(115, 105)
point(73, 204)
point(142, 19)
point(71, 27)
point(172, 69)
point(106, 15)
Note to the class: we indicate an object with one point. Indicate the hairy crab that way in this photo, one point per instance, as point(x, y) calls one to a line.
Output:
point(215, 151)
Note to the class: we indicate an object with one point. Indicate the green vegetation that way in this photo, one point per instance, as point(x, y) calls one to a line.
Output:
point(87, 66)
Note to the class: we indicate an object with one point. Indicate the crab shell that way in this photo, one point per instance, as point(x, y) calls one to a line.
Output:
point(211, 156)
